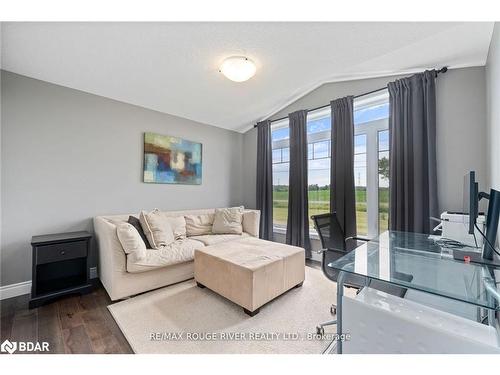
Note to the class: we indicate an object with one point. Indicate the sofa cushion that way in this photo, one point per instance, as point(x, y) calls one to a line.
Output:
point(179, 251)
point(198, 225)
point(156, 228)
point(134, 221)
point(228, 220)
point(211, 239)
point(251, 221)
point(178, 224)
point(130, 239)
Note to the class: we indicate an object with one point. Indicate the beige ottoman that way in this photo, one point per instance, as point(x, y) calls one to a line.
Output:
point(250, 271)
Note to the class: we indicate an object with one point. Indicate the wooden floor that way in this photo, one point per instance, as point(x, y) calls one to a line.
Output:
point(74, 324)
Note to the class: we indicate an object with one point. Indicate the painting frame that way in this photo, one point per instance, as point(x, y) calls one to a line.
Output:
point(171, 160)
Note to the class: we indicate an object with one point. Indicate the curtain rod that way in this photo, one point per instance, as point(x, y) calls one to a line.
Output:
point(444, 69)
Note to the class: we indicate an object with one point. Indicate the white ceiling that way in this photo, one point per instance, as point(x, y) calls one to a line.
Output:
point(173, 67)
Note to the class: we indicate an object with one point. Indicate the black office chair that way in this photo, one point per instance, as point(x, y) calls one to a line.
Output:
point(334, 245)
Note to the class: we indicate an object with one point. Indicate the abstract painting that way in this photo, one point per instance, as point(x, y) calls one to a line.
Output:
point(171, 160)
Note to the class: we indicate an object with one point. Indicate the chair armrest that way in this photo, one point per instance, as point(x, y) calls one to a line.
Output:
point(339, 252)
point(357, 239)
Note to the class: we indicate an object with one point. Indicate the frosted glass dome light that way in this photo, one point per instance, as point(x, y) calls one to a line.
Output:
point(238, 68)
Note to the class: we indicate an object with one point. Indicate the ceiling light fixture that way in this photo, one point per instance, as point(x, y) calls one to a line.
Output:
point(238, 68)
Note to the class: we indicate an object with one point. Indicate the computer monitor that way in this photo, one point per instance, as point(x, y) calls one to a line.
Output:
point(492, 220)
point(471, 200)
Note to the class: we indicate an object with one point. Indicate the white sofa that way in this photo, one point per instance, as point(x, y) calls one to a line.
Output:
point(121, 280)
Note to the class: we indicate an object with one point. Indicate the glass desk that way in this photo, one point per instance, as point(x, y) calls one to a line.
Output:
point(414, 261)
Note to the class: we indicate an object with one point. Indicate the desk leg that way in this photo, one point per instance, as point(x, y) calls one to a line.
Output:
point(340, 293)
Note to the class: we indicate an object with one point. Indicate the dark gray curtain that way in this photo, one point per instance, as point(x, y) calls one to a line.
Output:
point(342, 193)
point(297, 229)
point(265, 179)
point(412, 133)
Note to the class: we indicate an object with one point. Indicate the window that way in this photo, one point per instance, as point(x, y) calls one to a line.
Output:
point(360, 172)
point(371, 169)
point(280, 135)
point(371, 164)
point(383, 180)
point(318, 165)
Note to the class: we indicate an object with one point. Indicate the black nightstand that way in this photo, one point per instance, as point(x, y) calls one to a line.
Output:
point(60, 266)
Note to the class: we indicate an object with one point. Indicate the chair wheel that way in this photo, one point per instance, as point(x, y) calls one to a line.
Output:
point(333, 310)
point(320, 330)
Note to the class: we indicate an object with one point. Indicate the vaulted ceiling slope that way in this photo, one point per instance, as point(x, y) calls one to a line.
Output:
point(173, 67)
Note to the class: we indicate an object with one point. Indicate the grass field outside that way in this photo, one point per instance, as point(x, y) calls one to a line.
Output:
point(319, 202)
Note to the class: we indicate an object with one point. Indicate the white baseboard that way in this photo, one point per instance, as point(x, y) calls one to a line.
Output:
point(14, 290)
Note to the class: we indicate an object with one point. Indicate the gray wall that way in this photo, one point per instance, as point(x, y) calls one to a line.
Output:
point(68, 156)
point(493, 109)
point(461, 133)
point(250, 168)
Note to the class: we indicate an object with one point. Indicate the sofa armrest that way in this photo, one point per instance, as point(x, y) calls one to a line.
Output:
point(112, 258)
point(251, 222)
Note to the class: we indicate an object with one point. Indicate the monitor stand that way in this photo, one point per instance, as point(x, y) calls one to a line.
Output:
point(475, 257)
point(487, 256)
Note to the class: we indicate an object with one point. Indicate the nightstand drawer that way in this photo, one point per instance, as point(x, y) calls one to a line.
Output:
point(59, 252)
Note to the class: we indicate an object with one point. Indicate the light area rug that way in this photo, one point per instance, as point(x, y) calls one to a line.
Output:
point(183, 318)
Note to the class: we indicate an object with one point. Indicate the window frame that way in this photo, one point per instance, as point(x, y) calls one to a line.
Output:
point(279, 144)
point(371, 129)
point(321, 136)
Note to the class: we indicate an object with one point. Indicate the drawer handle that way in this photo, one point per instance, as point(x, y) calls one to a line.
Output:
point(63, 252)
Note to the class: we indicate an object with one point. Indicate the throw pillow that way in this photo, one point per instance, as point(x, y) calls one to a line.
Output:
point(198, 225)
point(131, 240)
point(132, 220)
point(178, 224)
point(156, 228)
point(228, 221)
point(251, 222)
